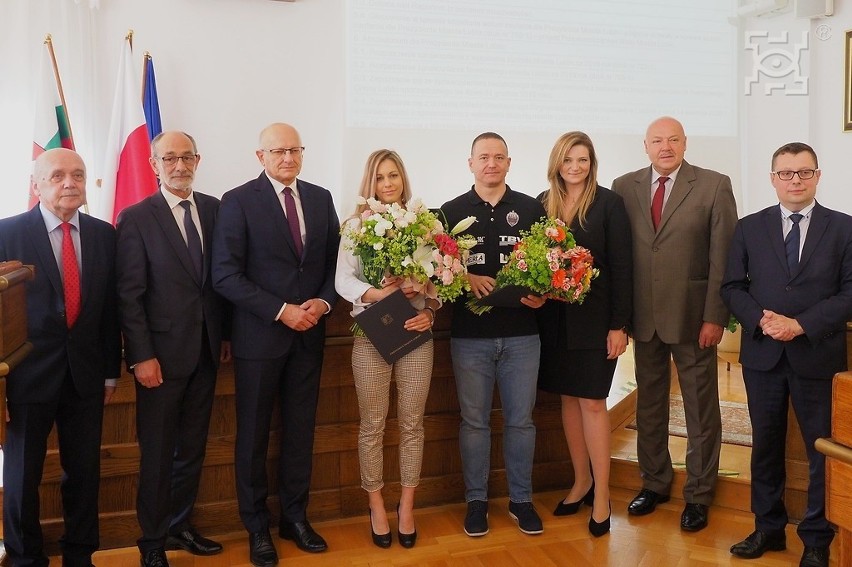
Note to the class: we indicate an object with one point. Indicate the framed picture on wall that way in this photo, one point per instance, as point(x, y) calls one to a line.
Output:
point(847, 94)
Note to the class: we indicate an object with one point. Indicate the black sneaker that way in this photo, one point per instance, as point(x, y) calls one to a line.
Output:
point(476, 520)
point(524, 513)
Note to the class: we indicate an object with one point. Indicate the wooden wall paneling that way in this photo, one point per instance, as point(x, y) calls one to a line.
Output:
point(335, 486)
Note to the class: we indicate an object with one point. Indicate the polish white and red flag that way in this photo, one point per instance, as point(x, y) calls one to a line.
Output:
point(127, 174)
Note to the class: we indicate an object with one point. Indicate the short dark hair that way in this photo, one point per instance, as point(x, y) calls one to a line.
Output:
point(795, 148)
point(487, 136)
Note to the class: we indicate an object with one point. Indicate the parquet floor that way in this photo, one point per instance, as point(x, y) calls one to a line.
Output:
point(649, 541)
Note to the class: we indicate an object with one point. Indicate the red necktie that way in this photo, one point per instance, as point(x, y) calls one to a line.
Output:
point(70, 276)
point(657, 202)
point(293, 220)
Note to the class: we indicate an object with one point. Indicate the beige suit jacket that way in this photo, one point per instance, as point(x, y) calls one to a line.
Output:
point(678, 269)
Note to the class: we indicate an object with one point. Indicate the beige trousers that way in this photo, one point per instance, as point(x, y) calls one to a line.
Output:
point(413, 373)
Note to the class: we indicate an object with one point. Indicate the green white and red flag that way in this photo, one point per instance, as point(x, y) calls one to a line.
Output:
point(51, 128)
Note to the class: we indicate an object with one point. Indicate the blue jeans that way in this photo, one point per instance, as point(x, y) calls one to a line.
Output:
point(513, 363)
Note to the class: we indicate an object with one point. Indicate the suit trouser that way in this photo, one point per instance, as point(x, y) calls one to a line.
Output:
point(172, 422)
point(698, 374)
point(413, 373)
point(768, 395)
point(292, 379)
point(78, 427)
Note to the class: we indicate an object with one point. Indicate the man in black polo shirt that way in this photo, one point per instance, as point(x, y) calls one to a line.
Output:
point(500, 346)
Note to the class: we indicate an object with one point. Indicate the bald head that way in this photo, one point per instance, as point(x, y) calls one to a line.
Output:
point(665, 144)
point(664, 122)
point(50, 157)
point(277, 131)
point(171, 136)
point(59, 182)
point(283, 166)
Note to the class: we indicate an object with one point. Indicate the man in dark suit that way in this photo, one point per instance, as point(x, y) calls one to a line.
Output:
point(172, 322)
point(789, 284)
point(72, 322)
point(274, 258)
point(682, 218)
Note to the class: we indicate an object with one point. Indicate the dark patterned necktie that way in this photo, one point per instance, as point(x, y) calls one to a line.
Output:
point(791, 243)
point(193, 241)
point(293, 220)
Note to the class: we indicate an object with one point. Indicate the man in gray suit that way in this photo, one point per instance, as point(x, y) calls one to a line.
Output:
point(682, 218)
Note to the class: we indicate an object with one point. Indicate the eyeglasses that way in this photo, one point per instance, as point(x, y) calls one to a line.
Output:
point(788, 175)
point(280, 152)
point(172, 160)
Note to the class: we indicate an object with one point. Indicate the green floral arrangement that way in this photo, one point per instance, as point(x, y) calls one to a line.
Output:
point(548, 262)
point(410, 242)
point(732, 324)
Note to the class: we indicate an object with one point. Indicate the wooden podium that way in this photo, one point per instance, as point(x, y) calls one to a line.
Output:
point(838, 464)
point(13, 326)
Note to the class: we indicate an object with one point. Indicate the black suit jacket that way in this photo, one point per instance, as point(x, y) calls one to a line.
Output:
point(164, 308)
point(818, 295)
point(608, 305)
point(92, 348)
point(256, 268)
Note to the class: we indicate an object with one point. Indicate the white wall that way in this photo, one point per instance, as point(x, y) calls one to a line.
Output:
point(226, 68)
point(833, 145)
point(769, 121)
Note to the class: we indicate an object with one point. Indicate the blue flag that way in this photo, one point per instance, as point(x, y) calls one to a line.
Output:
point(149, 99)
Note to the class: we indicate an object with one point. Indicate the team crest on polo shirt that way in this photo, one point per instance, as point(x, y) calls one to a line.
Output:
point(512, 218)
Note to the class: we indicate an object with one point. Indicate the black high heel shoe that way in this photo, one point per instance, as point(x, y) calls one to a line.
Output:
point(563, 509)
point(382, 540)
point(598, 529)
point(406, 540)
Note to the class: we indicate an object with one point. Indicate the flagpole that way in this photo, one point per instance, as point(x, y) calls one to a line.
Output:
point(48, 41)
point(145, 57)
point(128, 38)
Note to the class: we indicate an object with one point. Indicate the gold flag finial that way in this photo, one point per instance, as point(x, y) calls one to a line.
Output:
point(48, 39)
